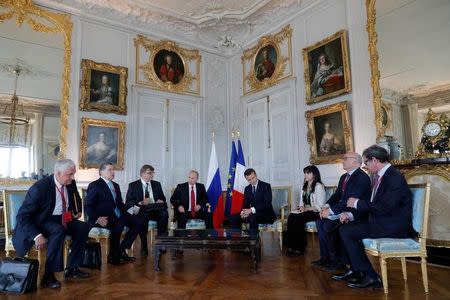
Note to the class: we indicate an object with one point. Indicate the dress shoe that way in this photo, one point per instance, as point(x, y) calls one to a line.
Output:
point(294, 252)
point(333, 267)
point(366, 282)
point(320, 262)
point(115, 261)
point(75, 273)
point(124, 256)
point(348, 276)
point(49, 281)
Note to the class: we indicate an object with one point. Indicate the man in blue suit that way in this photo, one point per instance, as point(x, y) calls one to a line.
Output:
point(51, 211)
point(390, 214)
point(354, 183)
point(257, 207)
point(105, 208)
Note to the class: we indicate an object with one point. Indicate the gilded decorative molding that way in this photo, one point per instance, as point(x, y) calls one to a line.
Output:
point(189, 84)
point(283, 67)
point(438, 243)
point(375, 79)
point(26, 11)
point(426, 169)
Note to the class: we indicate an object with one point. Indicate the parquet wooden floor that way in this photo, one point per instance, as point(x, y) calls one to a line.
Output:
point(229, 275)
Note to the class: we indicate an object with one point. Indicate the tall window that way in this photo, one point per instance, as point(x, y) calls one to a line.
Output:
point(14, 161)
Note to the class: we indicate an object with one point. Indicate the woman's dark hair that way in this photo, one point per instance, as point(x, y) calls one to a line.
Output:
point(316, 173)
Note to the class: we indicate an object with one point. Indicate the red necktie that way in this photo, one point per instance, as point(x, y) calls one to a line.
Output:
point(192, 202)
point(344, 184)
point(64, 206)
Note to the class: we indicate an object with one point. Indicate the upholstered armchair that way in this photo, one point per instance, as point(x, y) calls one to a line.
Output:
point(386, 248)
point(311, 226)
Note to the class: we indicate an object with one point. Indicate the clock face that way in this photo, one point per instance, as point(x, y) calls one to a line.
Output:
point(432, 129)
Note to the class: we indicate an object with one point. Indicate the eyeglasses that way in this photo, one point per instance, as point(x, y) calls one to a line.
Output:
point(366, 161)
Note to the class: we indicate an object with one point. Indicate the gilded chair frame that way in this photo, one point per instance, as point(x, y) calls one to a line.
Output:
point(285, 208)
point(422, 239)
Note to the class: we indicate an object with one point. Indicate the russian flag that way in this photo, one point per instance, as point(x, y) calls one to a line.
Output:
point(230, 184)
point(214, 189)
point(239, 182)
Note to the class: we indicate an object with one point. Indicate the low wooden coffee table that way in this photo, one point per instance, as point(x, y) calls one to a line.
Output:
point(229, 239)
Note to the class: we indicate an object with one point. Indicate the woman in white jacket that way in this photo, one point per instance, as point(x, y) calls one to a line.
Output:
point(311, 201)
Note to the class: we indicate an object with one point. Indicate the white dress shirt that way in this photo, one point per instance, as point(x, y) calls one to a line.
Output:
point(150, 191)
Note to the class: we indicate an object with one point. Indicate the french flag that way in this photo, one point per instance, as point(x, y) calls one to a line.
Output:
point(214, 189)
point(230, 183)
point(239, 182)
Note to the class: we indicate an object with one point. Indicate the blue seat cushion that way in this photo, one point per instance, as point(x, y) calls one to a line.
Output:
point(195, 224)
point(99, 232)
point(152, 224)
point(391, 245)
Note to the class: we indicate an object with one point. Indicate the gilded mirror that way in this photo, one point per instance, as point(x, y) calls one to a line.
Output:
point(408, 47)
point(36, 44)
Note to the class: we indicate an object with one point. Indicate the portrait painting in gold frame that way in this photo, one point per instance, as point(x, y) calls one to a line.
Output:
point(329, 133)
point(102, 141)
point(326, 68)
point(268, 62)
point(103, 87)
point(166, 66)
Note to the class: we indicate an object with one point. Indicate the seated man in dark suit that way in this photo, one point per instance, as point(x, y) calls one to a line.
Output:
point(257, 208)
point(390, 214)
point(51, 211)
point(354, 183)
point(105, 208)
point(143, 193)
point(190, 201)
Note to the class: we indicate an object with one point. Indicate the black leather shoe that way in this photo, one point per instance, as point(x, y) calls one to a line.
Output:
point(115, 262)
point(320, 262)
point(124, 256)
point(49, 281)
point(333, 267)
point(366, 282)
point(348, 276)
point(75, 273)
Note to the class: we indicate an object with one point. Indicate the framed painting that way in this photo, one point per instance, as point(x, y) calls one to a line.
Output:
point(329, 133)
point(326, 68)
point(268, 62)
point(166, 66)
point(103, 87)
point(101, 141)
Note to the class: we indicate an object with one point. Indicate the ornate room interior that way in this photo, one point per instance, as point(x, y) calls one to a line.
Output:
point(86, 70)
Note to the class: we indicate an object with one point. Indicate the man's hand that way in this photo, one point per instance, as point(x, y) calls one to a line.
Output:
point(351, 202)
point(40, 242)
point(181, 209)
point(302, 209)
point(245, 213)
point(197, 208)
point(325, 212)
point(146, 201)
point(76, 216)
point(345, 218)
point(159, 201)
point(103, 221)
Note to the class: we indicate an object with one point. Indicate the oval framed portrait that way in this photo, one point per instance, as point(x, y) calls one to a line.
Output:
point(265, 62)
point(169, 66)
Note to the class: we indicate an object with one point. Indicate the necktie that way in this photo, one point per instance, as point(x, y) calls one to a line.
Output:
point(113, 192)
point(64, 205)
point(192, 202)
point(344, 184)
point(254, 190)
point(147, 194)
point(375, 182)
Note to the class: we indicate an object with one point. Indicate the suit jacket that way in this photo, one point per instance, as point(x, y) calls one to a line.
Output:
point(261, 201)
point(181, 197)
point(135, 193)
point(357, 186)
point(390, 212)
point(37, 209)
point(100, 201)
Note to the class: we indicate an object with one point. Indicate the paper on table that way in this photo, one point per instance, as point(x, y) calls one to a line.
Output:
point(131, 210)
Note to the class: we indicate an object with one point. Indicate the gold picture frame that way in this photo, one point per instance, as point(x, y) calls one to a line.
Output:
point(330, 54)
point(386, 116)
point(102, 141)
point(329, 133)
point(103, 87)
point(268, 62)
point(166, 66)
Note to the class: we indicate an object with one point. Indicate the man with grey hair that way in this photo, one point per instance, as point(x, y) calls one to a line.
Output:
point(50, 211)
point(354, 183)
point(105, 208)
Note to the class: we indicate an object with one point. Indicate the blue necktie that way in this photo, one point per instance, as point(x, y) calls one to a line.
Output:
point(113, 192)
